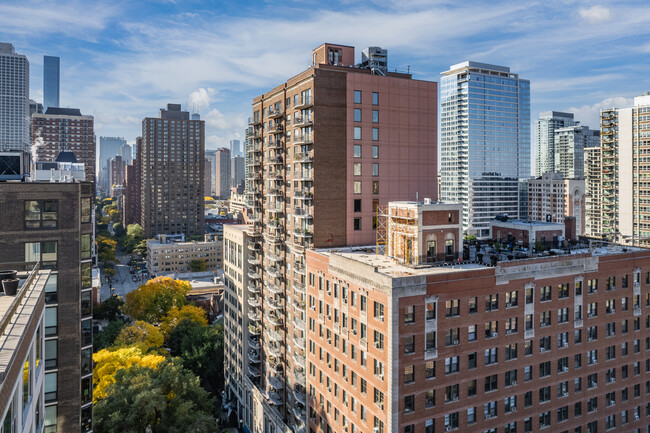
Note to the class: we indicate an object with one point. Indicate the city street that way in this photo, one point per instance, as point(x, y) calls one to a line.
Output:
point(122, 282)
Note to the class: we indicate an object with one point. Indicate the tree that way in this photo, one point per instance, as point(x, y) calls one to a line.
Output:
point(108, 362)
point(168, 399)
point(135, 231)
point(114, 215)
point(119, 230)
point(198, 265)
point(141, 248)
point(105, 249)
point(186, 312)
point(106, 337)
point(151, 301)
point(111, 309)
point(142, 335)
point(201, 349)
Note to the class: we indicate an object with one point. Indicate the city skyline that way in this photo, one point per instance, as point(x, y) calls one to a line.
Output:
point(125, 64)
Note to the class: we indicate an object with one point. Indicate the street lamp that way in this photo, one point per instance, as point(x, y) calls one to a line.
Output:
point(241, 425)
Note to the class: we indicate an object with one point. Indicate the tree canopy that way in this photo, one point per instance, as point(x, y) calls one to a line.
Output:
point(108, 362)
point(169, 399)
point(105, 338)
point(151, 301)
point(142, 335)
point(186, 312)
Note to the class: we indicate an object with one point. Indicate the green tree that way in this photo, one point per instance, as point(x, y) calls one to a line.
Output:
point(119, 230)
point(168, 398)
point(135, 231)
point(201, 349)
point(142, 335)
point(111, 309)
point(151, 301)
point(198, 265)
point(141, 248)
point(106, 337)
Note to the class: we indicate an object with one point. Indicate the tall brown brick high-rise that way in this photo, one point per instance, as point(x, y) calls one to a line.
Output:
point(328, 147)
point(172, 160)
point(52, 223)
point(65, 129)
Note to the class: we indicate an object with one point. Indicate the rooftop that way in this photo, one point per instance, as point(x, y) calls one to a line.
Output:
point(390, 267)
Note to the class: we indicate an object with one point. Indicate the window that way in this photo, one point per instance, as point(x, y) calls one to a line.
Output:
point(451, 393)
point(409, 403)
point(471, 415)
point(511, 351)
point(379, 311)
point(545, 369)
point(375, 116)
point(544, 394)
point(357, 151)
point(85, 210)
point(510, 404)
point(545, 294)
point(491, 329)
point(357, 133)
point(409, 314)
point(451, 365)
point(44, 252)
point(357, 96)
point(375, 134)
point(375, 169)
point(375, 152)
point(491, 302)
point(490, 410)
point(511, 299)
point(471, 388)
point(50, 321)
point(544, 419)
point(85, 246)
point(50, 387)
point(86, 303)
point(41, 214)
point(452, 337)
point(563, 291)
point(471, 333)
point(357, 169)
point(430, 370)
point(491, 383)
point(452, 308)
point(430, 341)
point(357, 187)
point(86, 275)
point(409, 344)
point(357, 114)
point(375, 98)
point(430, 310)
point(491, 356)
point(357, 205)
point(472, 305)
point(471, 361)
point(375, 187)
point(529, 295)
point(592, 286)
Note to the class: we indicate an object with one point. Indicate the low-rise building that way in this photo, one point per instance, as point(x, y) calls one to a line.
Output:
point(551, 198)
point(167, 255)
point(526, 233)
point(545, 342)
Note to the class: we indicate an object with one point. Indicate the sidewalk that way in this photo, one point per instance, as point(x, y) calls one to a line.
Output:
point(122, 282)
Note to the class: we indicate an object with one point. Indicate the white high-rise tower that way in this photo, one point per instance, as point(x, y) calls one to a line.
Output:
point(14, 100)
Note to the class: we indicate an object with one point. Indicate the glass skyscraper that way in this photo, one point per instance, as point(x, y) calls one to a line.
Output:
point(485, 141)
point(51, 75)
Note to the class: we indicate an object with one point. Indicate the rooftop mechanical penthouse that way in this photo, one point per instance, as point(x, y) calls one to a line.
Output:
point(412, 341)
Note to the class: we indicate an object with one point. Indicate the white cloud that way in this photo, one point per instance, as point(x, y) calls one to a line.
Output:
point(595, 14)
point(590, 114)
point(200, 99)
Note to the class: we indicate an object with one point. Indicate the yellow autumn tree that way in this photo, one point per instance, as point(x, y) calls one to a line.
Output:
point(175, 315)
point(108, 362)
point(151, 301)
point(142, 335)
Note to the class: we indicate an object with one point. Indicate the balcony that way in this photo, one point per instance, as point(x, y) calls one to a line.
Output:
point(254, 121)
point(299, 268)
point(300, 342)
point(253, 275)
point(253, 288)
point(254, 316)
point(253, 356)
point(305, 102)
point(276, 383)
point(303, 139)
point(299, 414)
point(273, 238)
point(275, 208)
point(303, 233)
point(274, 272)
point(299, 324)
point(254, 343)
point(256, 162)
point(276, 129)
point(254, 229)
point(304, 176)
point(274, 288)
point(254, 371)
point(274, 398)
point(300, 397)
point(275, 350)
point(273, 304)
point(275, 192)
point(302, 212)
point(275, 336)
point(274, 257)
point(254, 260)
point(299, 360)
point(274, 365)
point(254, 329)
point(300, 376)
point(274, 320)
point(274, 113)
point(275, 144)
point(254, 246)
point(302, 122)
point(276, 160)
point(254, 301)
point(303, 195)
point(299, 287)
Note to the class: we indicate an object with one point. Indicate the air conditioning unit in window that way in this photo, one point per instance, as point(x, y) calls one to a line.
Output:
point(455, 341)
point(543, 324)
point(590, 315)
point(449, 428)
point(513, 383)
point(565, 394)
point(565, 368)
point(495, 334)
point(542, 349)
point(508, 305)
point(375, 430)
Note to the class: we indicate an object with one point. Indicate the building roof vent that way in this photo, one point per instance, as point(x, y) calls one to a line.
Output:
point(375, 59)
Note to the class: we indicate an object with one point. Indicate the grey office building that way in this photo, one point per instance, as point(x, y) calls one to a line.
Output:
point(485, 140)
point(545, 127)
point(51, 81)
point(15, 115)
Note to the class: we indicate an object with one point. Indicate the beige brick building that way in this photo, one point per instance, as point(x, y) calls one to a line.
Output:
point(165, 256)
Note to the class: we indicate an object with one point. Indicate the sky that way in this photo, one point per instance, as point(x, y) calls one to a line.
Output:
point(122, 60)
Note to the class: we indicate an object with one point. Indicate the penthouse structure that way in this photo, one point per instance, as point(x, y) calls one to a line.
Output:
point(326, 149)
point(543, 343)
point(50, 224)
point(172, 162)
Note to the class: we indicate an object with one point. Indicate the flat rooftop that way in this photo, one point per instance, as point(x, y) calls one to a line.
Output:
point(390, 267)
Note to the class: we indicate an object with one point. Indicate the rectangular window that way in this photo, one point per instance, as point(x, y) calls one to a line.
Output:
point(357, 187)
point(357, 205)
point(375, 187)
point(51, 353)
point(357, 114)
point(357, 133)
point(409, 314)
point(41, 214)
point(375, 98)
point(86, 303)
point(357, 151)
point(375, 116)
point(85, 246)
point(375, 169)
point(357, 169)
point(86, 275)
point(357, 96)
point(375, 134)
point(375, 151)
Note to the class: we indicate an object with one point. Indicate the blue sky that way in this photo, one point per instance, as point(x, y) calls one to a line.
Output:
point(123, 60)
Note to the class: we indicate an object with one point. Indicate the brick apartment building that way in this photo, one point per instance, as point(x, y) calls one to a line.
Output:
point(557, 343)
point(326, 149)
point(65, 129)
